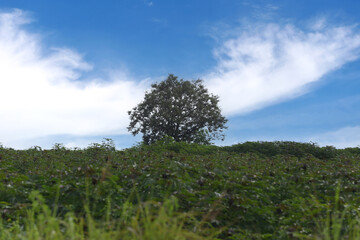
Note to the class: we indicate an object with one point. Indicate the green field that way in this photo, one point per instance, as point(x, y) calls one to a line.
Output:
point(258, 190)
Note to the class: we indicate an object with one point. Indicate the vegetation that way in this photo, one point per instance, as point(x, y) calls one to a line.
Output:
point(183, 110)
point(176, 190)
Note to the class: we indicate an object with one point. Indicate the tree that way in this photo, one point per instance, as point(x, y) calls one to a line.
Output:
point(184, 110)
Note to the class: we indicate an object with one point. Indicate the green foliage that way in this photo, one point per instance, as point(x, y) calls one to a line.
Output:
point(168, 144)
point(271, 149)
point(147, 221)
point(353, 151)
point(176, 190)
point(180, 109)
point(340, 221)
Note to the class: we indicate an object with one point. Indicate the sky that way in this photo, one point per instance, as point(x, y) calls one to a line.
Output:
point(284, 70)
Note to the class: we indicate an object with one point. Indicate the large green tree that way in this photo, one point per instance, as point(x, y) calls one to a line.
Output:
point(184, 110)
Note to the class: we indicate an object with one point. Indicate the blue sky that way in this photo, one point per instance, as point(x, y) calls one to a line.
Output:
point(284, 70)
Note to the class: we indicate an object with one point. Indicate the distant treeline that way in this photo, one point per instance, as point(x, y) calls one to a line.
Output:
point(262, 148)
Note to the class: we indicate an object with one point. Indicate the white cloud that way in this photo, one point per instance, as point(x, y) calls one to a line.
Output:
point(149, 3)
point(341, 138)
point(43, 94)
point(269, 63)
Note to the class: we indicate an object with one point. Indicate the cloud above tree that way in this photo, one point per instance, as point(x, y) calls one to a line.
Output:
point(265, 64)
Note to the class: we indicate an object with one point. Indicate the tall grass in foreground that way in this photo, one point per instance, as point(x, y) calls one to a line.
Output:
point(161, 221)
point(146, 221)
point(340, 221)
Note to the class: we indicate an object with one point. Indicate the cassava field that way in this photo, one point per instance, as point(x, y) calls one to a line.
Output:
point(258, 190)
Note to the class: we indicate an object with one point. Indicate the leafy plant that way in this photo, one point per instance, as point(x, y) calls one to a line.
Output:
point(278, 190)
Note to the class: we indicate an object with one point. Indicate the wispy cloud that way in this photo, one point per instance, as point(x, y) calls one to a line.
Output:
point(262, 9)
point(43, 93)
point(149, 3)
point(341, 138)
point(162, 21)
point(269, 63)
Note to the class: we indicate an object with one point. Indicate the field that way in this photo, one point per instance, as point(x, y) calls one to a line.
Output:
point(258, 190)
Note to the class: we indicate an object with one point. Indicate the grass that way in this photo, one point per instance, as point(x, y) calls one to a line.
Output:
point(148, 221)
point(280, 190)
point(339, 222)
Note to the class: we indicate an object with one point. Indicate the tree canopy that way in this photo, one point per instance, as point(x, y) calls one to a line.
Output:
point(181, 109)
